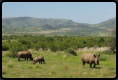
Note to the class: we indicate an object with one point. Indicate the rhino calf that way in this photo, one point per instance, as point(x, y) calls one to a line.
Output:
point(90, 59)
point(24, 54)
point(38, 59)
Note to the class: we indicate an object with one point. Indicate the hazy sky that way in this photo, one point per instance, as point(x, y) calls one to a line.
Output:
point(81, 12)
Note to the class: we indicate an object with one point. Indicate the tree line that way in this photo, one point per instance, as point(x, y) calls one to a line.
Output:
point(15, 43)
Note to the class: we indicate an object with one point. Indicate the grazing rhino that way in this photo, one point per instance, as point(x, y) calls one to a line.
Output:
point(24, 54)
point(90, 59)
point(38, 59)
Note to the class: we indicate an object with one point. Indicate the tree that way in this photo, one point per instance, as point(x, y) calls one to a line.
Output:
point(5, 47)
point(52, 45)
point(41, 44)
point(64, 45)
point(15, 48)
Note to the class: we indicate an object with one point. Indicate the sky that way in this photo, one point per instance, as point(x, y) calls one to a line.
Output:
point(81, 12)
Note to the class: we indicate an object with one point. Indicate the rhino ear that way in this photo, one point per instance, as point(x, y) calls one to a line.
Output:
point(94, 55)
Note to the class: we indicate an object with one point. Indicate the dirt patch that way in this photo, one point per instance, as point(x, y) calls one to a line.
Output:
point(6, 34)
point(49, 31)
point(75, 72)
point(113, 75)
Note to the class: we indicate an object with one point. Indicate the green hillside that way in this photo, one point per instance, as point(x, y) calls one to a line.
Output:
point(38, 26)
point(106, 24)
point(17, 22)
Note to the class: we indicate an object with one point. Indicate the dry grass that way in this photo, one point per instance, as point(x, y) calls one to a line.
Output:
point(56, 66)
point(18, 71)
point(7, 34)
point(93, 49)
point(50, 31)
point(10, 64)
point(3, 70)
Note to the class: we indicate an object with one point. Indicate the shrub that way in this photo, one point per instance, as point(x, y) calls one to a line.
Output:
point(23, 41)
point(110, 52)
point(53, 48)
point(71, 51)
point(5, 47)
point(15, 48)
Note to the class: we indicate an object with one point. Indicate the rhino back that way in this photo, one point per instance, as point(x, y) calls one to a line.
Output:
point(24, 54)
point(38, 58)
point(87, 57)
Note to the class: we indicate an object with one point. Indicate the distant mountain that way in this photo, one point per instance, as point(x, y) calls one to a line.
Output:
point(39, 26)
point(17, 22)
point(106, 24)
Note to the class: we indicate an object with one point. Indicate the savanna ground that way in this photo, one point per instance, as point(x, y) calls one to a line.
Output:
point(59, 65)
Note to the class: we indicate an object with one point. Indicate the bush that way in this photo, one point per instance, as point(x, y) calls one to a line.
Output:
point(5, 47)
point(71, 51)
point(110, 52)
point(23, 41)
point(53, 48)
point(15, 48)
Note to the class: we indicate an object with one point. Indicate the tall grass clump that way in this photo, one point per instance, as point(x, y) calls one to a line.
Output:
point(110, 52)
point(10, 64)
point(18, 71)
point(112, 68)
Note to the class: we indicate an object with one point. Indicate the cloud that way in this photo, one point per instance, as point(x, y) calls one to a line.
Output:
point(108, 15)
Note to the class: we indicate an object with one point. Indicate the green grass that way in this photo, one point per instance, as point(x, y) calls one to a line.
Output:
point(58, 67)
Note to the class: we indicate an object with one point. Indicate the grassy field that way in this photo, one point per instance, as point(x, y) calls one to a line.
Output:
point(58, 65)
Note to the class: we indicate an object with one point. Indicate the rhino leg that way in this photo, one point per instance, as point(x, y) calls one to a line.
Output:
point(18, 59)
point(83, 63)
point(41, 62)
point(90, 65)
